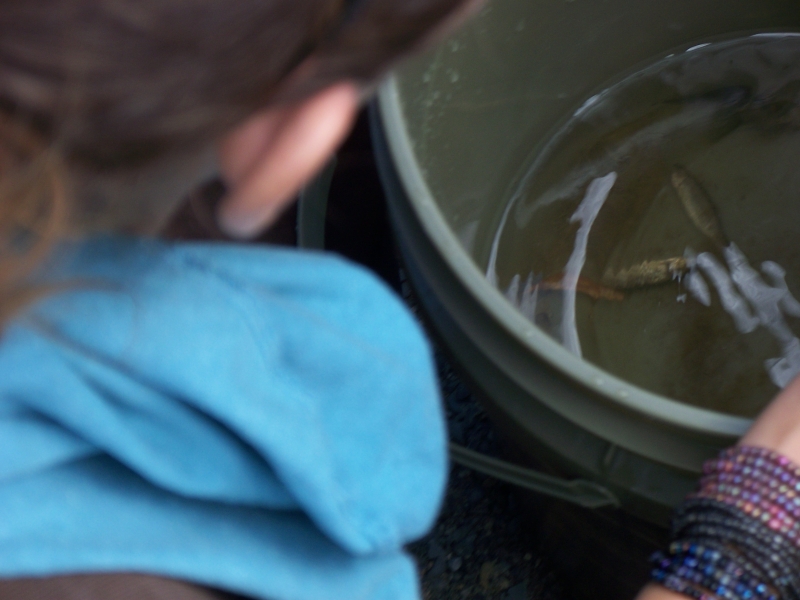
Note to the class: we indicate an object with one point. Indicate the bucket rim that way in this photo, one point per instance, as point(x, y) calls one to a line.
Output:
point(615, 390)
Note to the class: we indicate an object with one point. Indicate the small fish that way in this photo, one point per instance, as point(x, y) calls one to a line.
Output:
point(698, 205)
point(649, 272)
point(594, 290)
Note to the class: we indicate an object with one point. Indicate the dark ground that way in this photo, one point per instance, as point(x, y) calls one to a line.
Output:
point(479, 548)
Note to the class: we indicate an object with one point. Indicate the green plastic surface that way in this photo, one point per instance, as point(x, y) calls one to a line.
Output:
point(456, 127)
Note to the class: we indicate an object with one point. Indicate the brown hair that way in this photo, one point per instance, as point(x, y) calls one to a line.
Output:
point(106, 85)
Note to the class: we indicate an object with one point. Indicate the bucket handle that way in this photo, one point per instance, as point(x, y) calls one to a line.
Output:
point(577, 491)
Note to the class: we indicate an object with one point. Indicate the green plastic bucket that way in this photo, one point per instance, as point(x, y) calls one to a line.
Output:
point(453, 128)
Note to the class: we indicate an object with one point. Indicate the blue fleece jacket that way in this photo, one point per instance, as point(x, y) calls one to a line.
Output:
point(264, 421)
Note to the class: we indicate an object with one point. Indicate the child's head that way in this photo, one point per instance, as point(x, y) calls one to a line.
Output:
point(111, 109)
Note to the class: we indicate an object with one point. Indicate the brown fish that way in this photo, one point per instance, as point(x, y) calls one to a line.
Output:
point(698, 205)
point(649, 272)
point(594, 290)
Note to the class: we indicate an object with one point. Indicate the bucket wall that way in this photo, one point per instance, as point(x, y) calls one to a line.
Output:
point(454, 129)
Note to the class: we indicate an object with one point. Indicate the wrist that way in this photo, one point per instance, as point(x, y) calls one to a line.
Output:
point(778, 427)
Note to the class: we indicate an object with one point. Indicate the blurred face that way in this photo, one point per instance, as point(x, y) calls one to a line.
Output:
point(268, 159)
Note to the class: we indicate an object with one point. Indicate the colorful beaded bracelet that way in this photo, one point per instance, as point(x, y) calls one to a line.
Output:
point(711, 519)
point(757, 464)
point(760, 482)
point(676, 583)
point(708, 571)
point(757, 483)
point(762, 456)
point(694, 510)
point(769, 507)
point(712, 569)
point(738, 536)
point(755, 561)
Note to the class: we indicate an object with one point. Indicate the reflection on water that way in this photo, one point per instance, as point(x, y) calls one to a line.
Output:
point(589, 208)
point(631, 237)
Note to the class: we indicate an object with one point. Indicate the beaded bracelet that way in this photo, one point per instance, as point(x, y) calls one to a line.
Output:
point(704, 570)
point(679, 584)
point(759, 482)
point(711, 519)
point(749, 461)
point(747, 480)
point(771, 507)
point(738, 536)
point(749, 562)
point(709, 569)
point(751, 559)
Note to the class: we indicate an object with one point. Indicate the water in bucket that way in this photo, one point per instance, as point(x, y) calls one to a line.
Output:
point(656, 233)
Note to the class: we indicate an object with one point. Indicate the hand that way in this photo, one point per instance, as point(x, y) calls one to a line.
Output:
point(778, 427)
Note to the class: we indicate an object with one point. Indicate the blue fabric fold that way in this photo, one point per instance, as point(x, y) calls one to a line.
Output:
point(266, 421)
